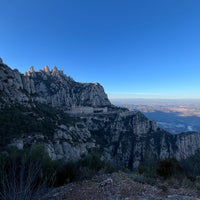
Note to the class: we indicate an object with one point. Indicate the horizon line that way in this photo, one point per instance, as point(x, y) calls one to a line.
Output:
point(149, 98)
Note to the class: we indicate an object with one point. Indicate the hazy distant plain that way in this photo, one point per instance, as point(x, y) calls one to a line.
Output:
point(173, 115)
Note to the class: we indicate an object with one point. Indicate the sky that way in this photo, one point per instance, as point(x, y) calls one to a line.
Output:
point(134, 48)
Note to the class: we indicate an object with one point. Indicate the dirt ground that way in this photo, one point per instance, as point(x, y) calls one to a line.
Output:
point(122, 186)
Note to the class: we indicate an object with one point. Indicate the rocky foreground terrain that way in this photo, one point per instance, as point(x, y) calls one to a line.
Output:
point(123, 186)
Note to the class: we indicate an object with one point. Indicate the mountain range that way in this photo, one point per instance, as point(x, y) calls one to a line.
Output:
point(72, 119)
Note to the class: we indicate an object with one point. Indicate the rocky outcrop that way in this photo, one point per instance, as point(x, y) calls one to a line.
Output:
point(188, 144)
point(68, 142)
point(130, 139)
point(51, 87)
point(11, 87)
point(1, 61)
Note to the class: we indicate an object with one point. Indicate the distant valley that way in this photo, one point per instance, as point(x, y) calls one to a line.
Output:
point(175, 116)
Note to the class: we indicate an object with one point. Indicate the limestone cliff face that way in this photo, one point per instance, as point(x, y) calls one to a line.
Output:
point(68, 143)
point(130, 139)
point(11, 86)
point(188, 144)
point(50, 87)
point(126, 139)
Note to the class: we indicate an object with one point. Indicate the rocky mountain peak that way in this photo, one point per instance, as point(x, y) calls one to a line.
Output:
point(46, 70)
point(52, 87)
point(1, 61)
point(55, 69)
point(31, 70)
point(57, 72)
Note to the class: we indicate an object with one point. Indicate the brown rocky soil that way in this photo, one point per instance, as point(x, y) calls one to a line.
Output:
point(122, 186)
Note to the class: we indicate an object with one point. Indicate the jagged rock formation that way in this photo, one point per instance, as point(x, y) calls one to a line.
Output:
point(188, 144)
point(130, 138)
point(125, 138)
point(1, 61)
point(50, 87)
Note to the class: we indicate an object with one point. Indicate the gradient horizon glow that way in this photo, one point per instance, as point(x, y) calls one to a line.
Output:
point(134, 48)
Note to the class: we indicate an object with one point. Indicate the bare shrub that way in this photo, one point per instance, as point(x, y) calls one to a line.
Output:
point(21, 178)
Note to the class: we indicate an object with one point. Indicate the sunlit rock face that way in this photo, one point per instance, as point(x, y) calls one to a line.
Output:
point(52, 87)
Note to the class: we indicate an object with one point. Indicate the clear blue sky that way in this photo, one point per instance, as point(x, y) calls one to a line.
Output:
point(134, 48)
